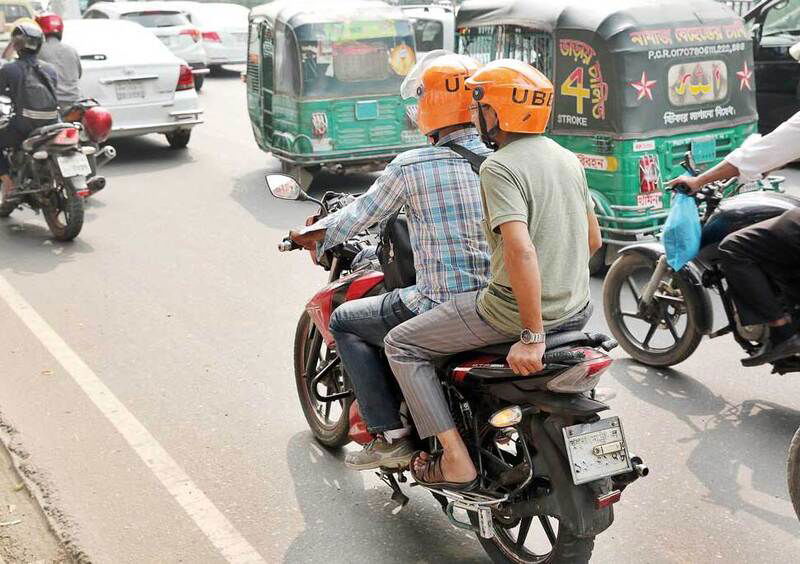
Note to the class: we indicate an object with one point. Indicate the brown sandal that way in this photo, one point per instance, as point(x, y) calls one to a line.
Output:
point(433, 467)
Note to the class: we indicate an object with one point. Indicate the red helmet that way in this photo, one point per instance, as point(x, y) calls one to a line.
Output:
point(51, 23)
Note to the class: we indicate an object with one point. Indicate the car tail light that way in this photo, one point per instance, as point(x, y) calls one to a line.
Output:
point(68, 136)
point(185, 79)
point(319, 124)
point(211, 36)
point(97, 122)
point(649, 174)
point(193, 33)
point(581, 377)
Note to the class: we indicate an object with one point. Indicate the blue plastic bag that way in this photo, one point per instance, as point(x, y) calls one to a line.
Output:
point(682, 231)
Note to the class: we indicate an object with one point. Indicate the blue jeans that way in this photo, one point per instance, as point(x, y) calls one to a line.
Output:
point(359, 328)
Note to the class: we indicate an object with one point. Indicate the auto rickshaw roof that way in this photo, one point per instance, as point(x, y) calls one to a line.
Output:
point(607, 18)
point(295, 13)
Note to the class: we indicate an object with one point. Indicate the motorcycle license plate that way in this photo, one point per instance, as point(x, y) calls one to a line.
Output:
point(74, 165)
point(597, 450)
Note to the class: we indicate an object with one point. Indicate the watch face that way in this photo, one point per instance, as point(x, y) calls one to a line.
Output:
point(528, 337)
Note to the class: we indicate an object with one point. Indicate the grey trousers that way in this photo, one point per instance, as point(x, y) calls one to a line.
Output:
point(450, 328)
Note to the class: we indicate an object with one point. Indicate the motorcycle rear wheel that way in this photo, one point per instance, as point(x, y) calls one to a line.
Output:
point(330, 422)
point(674, 318)
point(793, 474)
point(64, 213)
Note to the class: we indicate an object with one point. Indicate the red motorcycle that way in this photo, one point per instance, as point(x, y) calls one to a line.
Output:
point(542, 452)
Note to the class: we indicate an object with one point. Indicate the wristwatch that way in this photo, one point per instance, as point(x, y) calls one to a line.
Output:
point(528, 337)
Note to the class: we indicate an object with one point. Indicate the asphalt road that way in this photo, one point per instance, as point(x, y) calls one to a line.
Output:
point(175, 311)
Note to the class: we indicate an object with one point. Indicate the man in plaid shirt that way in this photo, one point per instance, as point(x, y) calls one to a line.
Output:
point(441, 196)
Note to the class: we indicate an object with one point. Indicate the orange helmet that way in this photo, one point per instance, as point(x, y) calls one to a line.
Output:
point(520, 95)
point(438, 81)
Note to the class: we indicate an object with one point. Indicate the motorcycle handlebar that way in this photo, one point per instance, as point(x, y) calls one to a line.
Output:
point(287, 245)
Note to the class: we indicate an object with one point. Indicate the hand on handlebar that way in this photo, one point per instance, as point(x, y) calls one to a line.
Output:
point(526, 359)
point(690, 183)
point(307, 240)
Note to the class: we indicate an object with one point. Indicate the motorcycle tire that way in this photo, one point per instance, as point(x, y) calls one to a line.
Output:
point(623, 268)
point(568, 548)
point(793, 472)
point(331, 433)
point(64, 203)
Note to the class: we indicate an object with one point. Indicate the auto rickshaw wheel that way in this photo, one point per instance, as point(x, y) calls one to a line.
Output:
point(303, 174)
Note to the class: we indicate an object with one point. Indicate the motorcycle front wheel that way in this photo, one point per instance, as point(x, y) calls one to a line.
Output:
point(63, 212)
point(329, 421)
point(793, 473)
point(664, 334)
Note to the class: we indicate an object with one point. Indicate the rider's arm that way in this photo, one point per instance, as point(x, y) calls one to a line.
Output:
point(772, 151)
point(384, 197)
point(595, 237)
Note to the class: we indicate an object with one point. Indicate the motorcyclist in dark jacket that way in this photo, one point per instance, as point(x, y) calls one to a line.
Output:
point(30, 84)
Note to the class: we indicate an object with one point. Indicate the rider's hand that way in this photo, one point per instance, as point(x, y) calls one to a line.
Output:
point(692, 182)
point(526, 359)
point(312, 219)
point(307, 240)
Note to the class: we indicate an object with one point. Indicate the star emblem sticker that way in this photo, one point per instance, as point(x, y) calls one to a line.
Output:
point(644, 87)
point(744, 77)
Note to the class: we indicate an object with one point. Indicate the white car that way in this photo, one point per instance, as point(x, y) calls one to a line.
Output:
point(168, 23)
point(224, 30)
point(143, 84)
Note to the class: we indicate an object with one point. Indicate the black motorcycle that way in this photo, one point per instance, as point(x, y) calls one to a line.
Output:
point(50, 171)
point(659, 316)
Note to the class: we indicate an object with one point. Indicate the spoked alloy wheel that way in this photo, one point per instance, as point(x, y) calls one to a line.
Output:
point(329, 421)
point(663, 334)
point(793, 467)
point(536, 539)
point(64, 212)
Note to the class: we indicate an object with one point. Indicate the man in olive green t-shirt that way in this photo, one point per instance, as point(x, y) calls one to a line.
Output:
point(542, 230)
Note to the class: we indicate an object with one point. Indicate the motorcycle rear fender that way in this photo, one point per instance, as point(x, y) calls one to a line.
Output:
point(691, 273)
point(574, 506)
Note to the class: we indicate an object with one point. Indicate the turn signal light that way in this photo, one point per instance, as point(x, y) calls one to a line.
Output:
point(507, 417)
point(185, 79)
point(211, 36)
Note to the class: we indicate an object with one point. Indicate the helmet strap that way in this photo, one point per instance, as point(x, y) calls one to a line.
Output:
point(487, 135)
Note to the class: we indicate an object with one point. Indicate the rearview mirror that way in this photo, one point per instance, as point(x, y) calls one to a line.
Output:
point(284, 187)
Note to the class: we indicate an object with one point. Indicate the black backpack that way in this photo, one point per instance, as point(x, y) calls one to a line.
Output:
point(394, 250)
point(37, 103)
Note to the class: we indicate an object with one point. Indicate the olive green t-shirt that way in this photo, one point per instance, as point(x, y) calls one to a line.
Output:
point(536, 181)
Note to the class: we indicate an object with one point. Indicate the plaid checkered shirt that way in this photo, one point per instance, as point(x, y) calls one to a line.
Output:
point(441, 195)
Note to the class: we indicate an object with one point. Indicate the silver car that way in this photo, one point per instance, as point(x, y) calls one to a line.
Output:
point(224, 29)
point(167, 22)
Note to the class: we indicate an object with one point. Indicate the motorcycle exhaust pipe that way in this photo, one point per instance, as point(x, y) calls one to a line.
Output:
point(105, 155)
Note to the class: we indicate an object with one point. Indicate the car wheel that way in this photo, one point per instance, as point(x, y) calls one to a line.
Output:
point(179, 139)
point(198, 82)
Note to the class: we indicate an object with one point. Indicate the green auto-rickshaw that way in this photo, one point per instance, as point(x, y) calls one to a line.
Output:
point(323, 82)
point(638, 83)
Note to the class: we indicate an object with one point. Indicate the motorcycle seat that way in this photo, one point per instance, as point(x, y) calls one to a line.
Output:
point(554, 341)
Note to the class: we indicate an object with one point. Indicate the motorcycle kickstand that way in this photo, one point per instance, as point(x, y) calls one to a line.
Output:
point(397, 494)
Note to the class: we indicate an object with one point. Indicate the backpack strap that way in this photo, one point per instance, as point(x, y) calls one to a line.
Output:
point(475, 160)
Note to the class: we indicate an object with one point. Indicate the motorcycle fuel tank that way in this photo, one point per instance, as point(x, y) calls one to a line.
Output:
point(744, 210)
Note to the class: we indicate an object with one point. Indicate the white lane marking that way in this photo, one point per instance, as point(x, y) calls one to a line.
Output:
point(225, 538)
